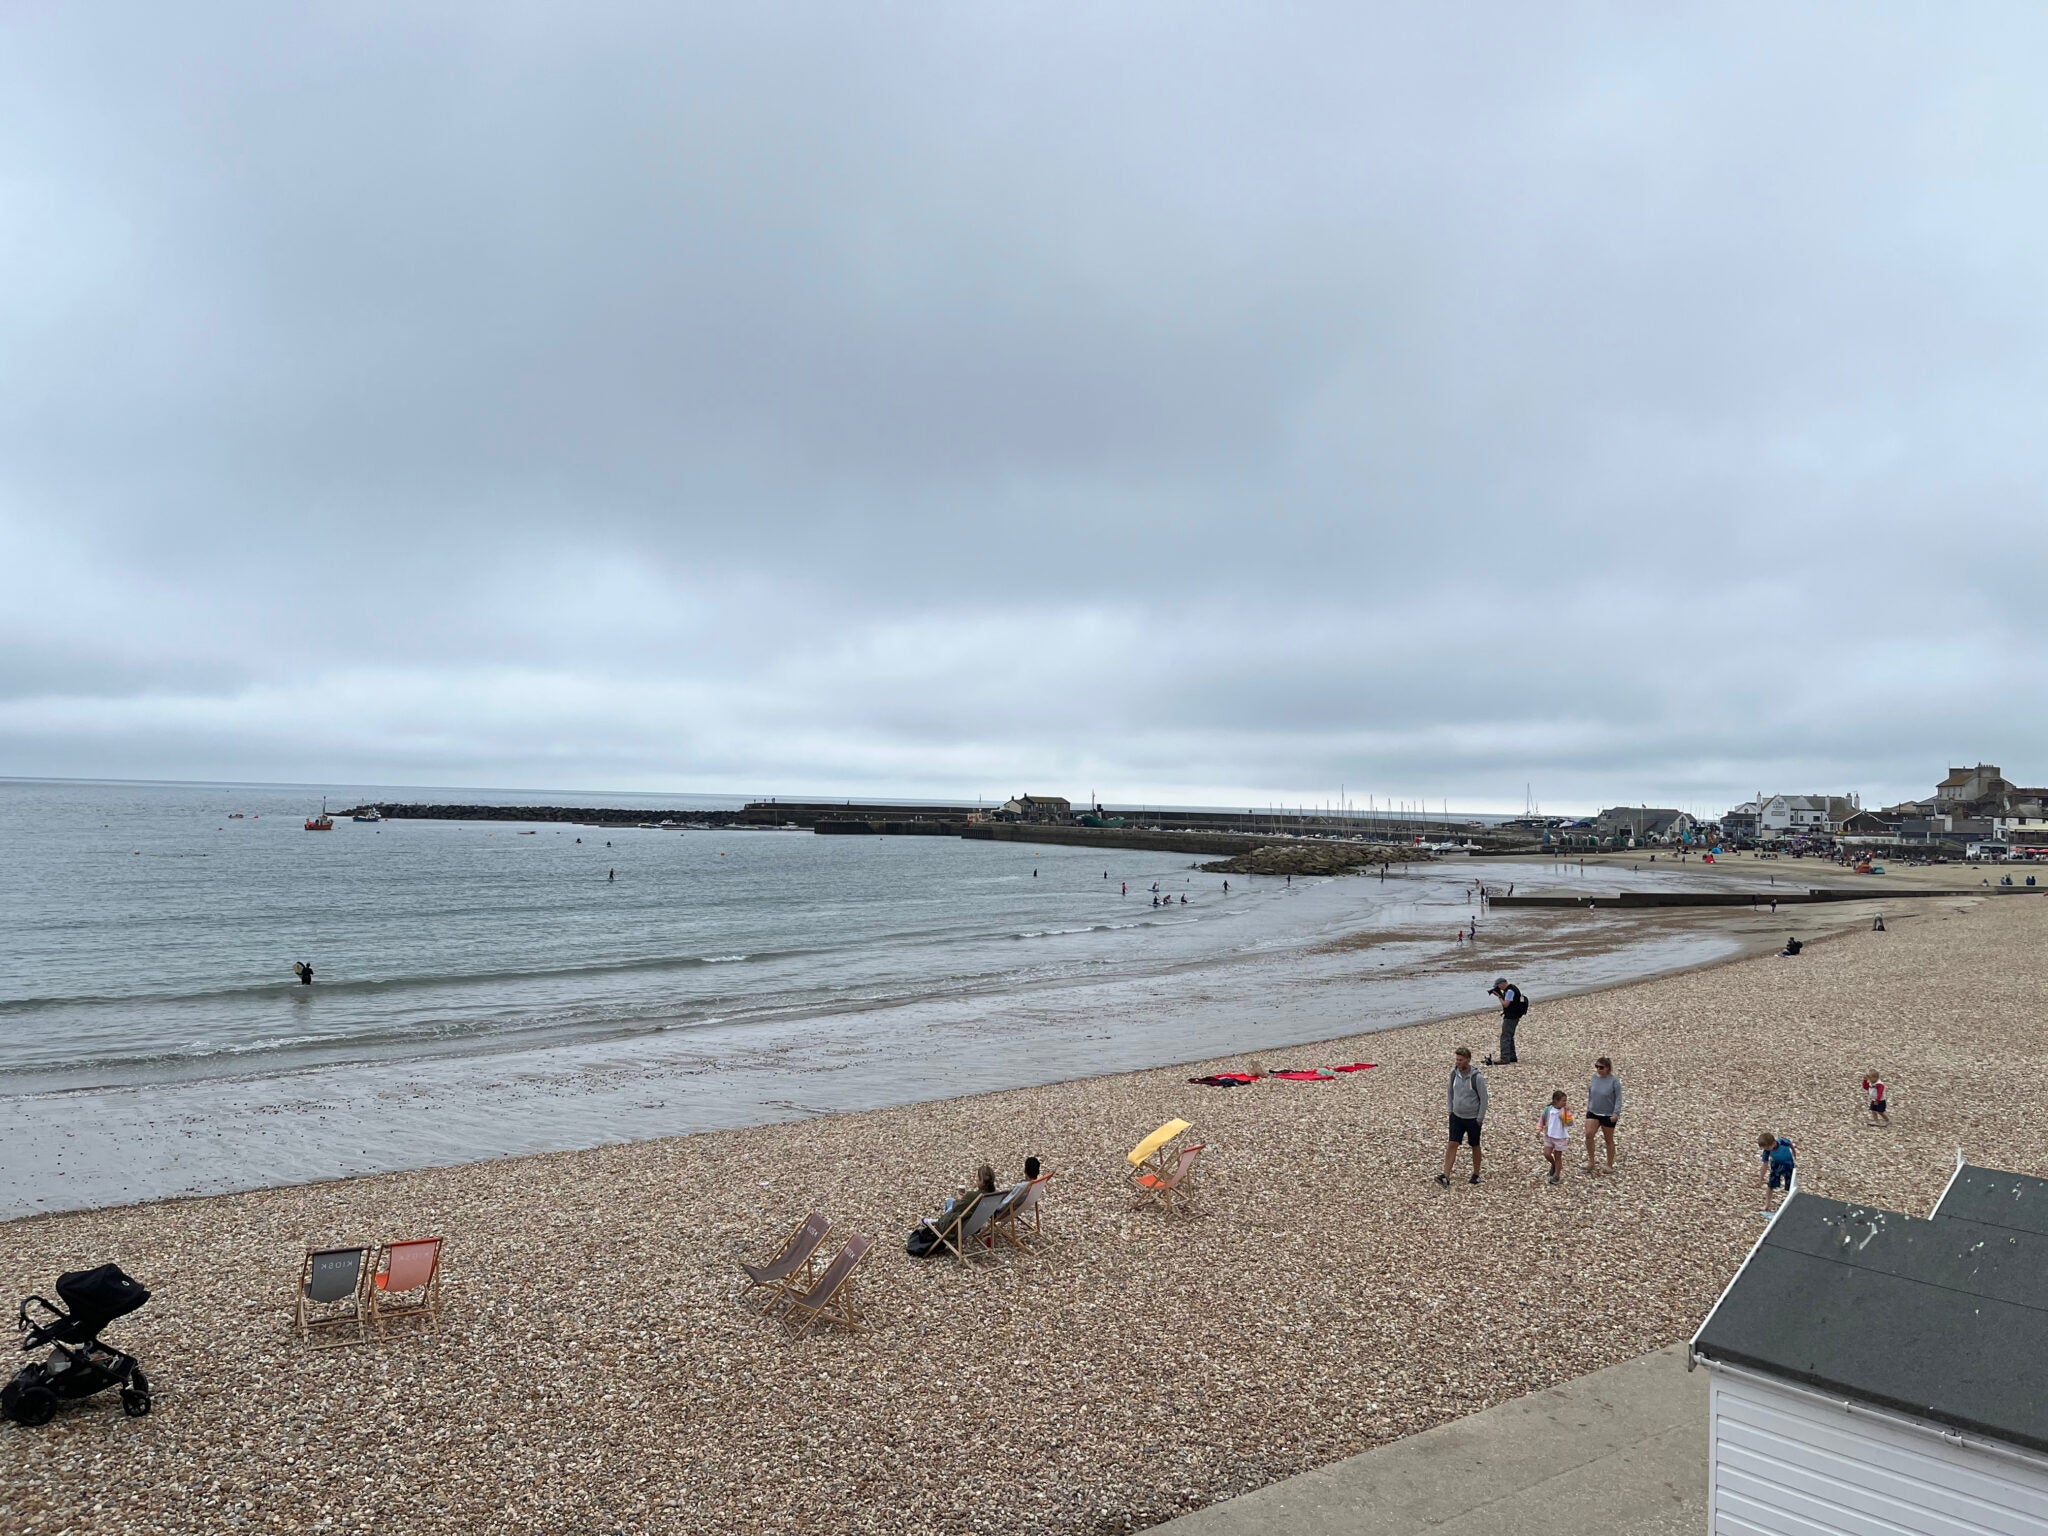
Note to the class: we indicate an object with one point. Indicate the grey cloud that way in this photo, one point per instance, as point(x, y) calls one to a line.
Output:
point(885, 398)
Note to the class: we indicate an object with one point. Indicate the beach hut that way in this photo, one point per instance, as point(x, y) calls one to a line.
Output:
point(1874, 1371)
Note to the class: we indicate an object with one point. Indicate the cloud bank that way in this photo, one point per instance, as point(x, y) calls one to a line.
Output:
point(1210, 406)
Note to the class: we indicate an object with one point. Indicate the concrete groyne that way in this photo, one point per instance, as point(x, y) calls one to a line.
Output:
point(1639, 900)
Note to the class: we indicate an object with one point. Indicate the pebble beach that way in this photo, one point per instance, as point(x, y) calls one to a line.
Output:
point(593, 1371)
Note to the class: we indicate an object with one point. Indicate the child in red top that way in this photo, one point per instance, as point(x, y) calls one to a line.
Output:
point(1873, 1098)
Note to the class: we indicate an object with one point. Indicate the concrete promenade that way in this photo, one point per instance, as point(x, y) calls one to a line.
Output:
point(1622, 1452)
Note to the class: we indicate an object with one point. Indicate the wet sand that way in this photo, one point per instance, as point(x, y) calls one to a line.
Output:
point(1324, 1295)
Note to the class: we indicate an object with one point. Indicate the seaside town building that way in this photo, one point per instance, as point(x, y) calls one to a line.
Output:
point(1640, 826)
point(1037, 808)
point(1784, 816)
point(1874, 1371)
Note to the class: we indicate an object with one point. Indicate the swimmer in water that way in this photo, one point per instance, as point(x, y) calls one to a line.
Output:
point(305, 973)
point(611, 875)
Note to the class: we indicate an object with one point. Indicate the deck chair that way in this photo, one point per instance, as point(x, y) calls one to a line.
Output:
point(331, 1308)
point(405, 1286)
point(959, 1231)
point(794, 1263)
point(831, 1297)
point(1152, 1155)
point(1017, 1218)
point(1170, 1188)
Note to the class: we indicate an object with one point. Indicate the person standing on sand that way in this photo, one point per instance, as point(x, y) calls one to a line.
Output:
point(1512, 1006)
point(1603, 1109)
point(1468, 1114)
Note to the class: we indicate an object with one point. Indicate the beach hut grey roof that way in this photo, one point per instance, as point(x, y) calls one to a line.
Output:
point(1876, 1371)
point(2014, 1200)
point(1943, 1319)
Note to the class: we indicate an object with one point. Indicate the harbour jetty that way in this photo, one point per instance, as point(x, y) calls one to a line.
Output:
point(1247, 855)
point(582, 815)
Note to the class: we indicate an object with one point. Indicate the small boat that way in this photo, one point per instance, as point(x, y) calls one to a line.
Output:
point(321, 823)
point(372, 814)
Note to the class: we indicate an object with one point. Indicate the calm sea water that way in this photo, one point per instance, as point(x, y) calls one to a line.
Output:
point(484, 988)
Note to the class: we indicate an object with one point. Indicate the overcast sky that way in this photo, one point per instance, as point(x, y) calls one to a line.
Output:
point(1182, 402)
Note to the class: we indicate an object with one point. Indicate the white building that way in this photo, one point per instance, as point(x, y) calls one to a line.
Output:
point(1784, 816)
point(1874, 1372)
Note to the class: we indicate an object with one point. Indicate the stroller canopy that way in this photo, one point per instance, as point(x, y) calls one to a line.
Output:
point(96, 1297)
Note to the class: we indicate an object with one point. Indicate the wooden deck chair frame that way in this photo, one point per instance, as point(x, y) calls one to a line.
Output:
point(795, 1263)
point(950, 1229)
point(401, 1304)
point(1156, 1154)
point(1170, 1189)
point(833, 1297)
point(1015, 1220)
point(322, 1266)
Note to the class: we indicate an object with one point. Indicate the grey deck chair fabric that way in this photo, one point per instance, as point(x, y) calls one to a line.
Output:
point(334, 1274)
point(796, 1254)
point(332, 1278)
point(830, 1298)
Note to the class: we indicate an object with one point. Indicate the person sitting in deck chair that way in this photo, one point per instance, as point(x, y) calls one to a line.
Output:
point(924, 1239)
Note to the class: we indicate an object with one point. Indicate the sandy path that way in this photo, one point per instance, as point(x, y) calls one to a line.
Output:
point(593, 1373)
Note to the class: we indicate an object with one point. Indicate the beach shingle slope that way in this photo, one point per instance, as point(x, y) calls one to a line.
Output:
point(593, 1372)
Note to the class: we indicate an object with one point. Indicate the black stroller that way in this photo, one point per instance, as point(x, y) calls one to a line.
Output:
point(78, 1364)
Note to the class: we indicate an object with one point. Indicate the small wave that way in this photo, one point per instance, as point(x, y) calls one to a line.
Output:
point(722, 959)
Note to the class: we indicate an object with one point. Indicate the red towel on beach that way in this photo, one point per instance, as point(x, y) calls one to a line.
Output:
point(1317, 1076)
point(1356, 1066)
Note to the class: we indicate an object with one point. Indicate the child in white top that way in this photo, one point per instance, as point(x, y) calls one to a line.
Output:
point(1874, 1099)
point(1557, 1136)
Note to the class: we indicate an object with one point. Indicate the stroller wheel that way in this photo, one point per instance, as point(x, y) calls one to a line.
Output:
point(29, 1405)
point(135, 1396)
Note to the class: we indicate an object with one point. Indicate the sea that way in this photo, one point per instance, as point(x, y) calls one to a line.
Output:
point(489, 988)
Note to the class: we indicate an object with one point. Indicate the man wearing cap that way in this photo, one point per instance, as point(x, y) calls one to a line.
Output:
point(1512, 1006)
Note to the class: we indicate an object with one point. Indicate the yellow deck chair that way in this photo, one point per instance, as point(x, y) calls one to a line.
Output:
point(1150, 1156)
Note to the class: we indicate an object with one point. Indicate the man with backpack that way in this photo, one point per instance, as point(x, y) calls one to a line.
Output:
point(1468, 1114)
point(1513, 1004)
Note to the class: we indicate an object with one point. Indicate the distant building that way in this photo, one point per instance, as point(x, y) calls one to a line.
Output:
point(1784, 816)
point(1869, 827)
point(2021, 831)
point(1638, 826)
point(1740, 824)
point(1037, 808)
point(1972, 791)
point(1873, 1371)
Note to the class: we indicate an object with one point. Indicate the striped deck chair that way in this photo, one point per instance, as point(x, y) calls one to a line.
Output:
point(1170, 1189)
point(1017, 1218)
point(794, 1263)
point(331, 1305)
point(831, 1297)
point(405, 1285)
